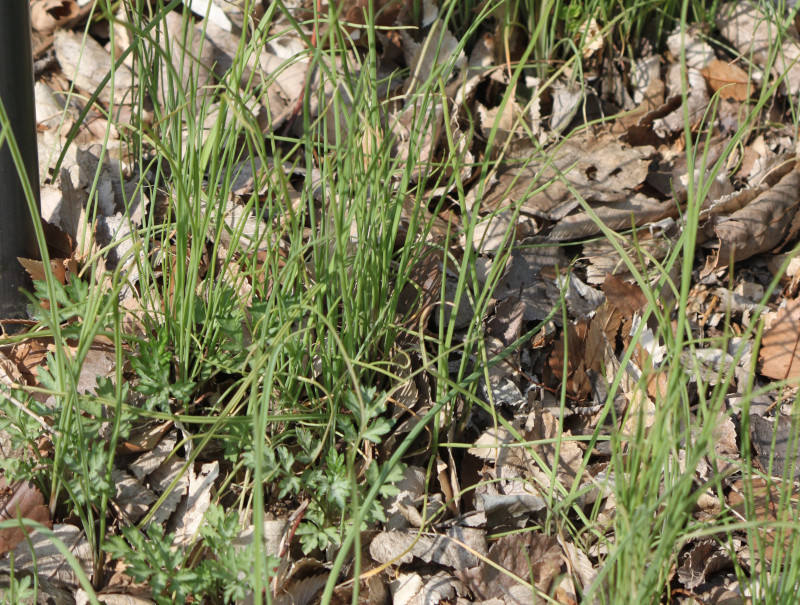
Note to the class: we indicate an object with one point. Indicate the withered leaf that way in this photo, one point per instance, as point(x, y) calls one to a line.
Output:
point(697, 100)
point(20, 499)
point(690, 41)
point(635, 211)
point(41, 556)
point(447, 550)
point(780, 346)
point(87, 63)
point(527, 556)
point(770, 503)
point(47, 15)
point(730, 80)
point(776, 444)
point(132, 498)
point(524, 278)
point(599, 169)
point(761, 225)
point(754, 33)
point(703, 559)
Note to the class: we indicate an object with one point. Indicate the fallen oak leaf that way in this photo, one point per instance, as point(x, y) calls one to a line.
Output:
point(758, 227)
point(20, 499)
point(730, 80)
point(514, 561)
point(780, 345)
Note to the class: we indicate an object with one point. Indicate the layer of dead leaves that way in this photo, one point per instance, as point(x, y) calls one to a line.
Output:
point(628, 175)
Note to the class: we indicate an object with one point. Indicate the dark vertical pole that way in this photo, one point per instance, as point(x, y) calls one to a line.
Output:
point(17, 237)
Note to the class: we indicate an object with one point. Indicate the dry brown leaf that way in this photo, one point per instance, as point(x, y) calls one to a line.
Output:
point(144, 438)
point(441, 587)
point(86, 62)
point(725, 442)
point(631, 122)
point(99, 362)
point(402, 546)
point(753, 32)
point(39, 555)
point(152, 459)
point(213, 13)
point(490, 232)
point(509, 124)
point(399, 509)
point(649, 246)
point(421, 117)
point(524, 277)
point(505, 327)
point(113, 599)
point(703, 559)
point(47, 15)
point(439, 50)
point(568, 98)
point(690, 40)
point(528, 556)
point(730, 80)
point(578, 385)
point(569, 455)
point(780, 345)
point(587, 343)
point(771, 502)
point(599, 169)
point(35, 269)
point(697, 101)
point(160, 481)
point(776, 445)
point(191, 510)
point(636, 211)
point(20, 499)
point(302, 591)
point(132, 498)
point(761, 225)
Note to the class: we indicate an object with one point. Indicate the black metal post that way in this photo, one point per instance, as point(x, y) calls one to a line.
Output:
point(17, 236)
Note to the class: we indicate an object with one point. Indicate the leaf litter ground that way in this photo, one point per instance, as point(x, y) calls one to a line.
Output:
point(573, 226)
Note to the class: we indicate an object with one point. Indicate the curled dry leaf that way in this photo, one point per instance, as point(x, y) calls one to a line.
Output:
point(47, 15)
point(703, 560)
point(761, 225)
point(697, 101)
